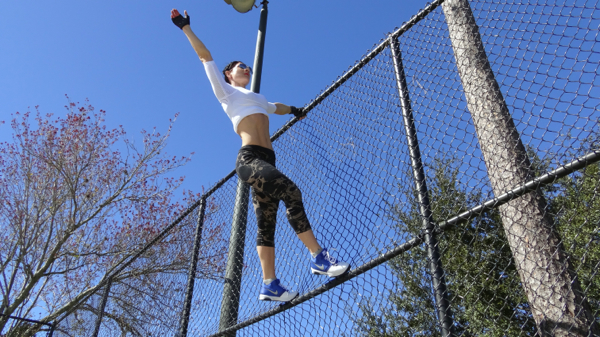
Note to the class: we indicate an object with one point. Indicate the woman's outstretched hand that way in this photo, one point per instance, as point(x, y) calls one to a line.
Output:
point(300, 113)
point(178, 20)
point(183, 22)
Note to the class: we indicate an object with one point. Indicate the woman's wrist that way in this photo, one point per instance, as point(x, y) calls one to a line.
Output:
point(180, 20)
point(298, 112)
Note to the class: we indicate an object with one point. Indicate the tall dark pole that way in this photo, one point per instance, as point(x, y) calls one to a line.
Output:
point(187, 305)
point(260, 47)
point(235, 261)
point(101, 308)
point(52, 328)
point(433, 253)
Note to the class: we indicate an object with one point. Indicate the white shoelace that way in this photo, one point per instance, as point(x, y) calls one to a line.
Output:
point(330, 258)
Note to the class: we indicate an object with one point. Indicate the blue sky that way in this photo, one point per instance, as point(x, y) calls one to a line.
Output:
point(129, 59)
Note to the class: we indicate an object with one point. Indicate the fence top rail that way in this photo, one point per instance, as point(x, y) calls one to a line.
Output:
point(371, 55)
point(28, 320)
point(218, 185)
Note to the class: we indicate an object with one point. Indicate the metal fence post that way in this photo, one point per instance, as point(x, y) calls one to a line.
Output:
point(435, 264)
point(102, 306)
point(235, 260)
point(187, 306)
point(52, 327)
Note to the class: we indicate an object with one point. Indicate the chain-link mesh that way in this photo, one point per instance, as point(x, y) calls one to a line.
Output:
point(495, 100)
point(147, 292)
point(208, 296)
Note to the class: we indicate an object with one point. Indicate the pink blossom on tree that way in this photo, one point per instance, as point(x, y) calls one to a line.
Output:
point(77, 200)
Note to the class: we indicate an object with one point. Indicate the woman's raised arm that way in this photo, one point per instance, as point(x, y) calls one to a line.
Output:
point(183, 22)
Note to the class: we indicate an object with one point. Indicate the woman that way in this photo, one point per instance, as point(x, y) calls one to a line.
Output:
point(255, 165)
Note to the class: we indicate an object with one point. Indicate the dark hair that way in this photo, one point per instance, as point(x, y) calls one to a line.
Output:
point(228, 67)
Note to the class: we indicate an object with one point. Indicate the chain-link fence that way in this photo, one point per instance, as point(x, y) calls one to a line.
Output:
point(455, 167)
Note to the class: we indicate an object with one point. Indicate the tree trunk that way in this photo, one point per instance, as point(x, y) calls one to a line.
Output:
point(557, 303)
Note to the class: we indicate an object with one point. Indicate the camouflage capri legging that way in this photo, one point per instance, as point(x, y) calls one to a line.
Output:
point(256, 166)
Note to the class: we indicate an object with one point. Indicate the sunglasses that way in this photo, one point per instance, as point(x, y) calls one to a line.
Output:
point(244, 67)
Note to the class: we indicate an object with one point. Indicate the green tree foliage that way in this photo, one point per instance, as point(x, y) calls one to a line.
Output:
point(484, 288)
point(483, 285)
point(77, 202)
point(577, 209)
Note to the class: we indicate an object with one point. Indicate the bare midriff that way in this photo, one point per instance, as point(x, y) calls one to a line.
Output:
point(254, 130)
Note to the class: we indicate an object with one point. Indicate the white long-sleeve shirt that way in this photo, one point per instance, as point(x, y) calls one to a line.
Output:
point(236, 101)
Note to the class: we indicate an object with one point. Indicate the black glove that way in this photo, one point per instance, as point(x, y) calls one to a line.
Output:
point(298, 112)
point(181, 21)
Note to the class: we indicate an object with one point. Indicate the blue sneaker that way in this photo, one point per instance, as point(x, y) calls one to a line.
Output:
point(325, 264)
point(276, 292)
